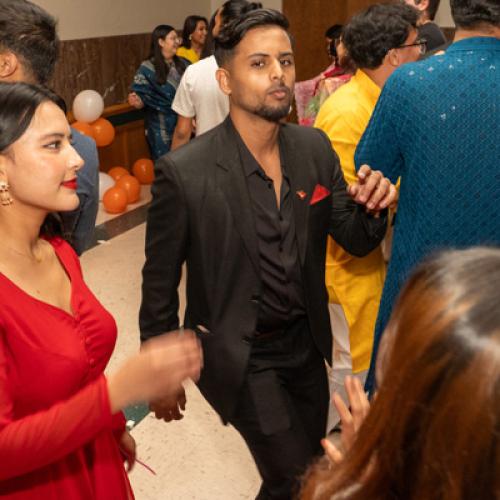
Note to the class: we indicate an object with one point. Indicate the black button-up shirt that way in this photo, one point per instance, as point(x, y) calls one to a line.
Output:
point(282, 297)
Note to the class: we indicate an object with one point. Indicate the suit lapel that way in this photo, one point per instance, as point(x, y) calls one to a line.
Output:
point(296, 165)
point(231, 180)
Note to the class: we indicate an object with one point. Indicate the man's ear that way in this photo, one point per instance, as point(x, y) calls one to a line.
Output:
point(9, 66)
point(224, 80)
point(423, 5)
point(392, 57)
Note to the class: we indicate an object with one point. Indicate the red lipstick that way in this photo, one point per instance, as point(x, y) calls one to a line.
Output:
point(71, 184)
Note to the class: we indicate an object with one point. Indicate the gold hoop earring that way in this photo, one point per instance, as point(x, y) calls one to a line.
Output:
point(5, 198)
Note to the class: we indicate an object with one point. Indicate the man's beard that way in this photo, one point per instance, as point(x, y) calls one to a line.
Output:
point(275, 114)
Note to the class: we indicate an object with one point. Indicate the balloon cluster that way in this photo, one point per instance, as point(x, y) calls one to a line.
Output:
point(118, 187)
point(88, 106)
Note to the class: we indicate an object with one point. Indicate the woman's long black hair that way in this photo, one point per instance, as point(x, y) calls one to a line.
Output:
point(162, 68)
point(189, 27)
point(18, 105)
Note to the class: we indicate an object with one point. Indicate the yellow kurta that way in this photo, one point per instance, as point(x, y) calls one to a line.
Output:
point(354, 283)
point(188, 54)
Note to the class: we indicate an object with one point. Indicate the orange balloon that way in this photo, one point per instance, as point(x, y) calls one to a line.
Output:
point(131, 186)
point(117, 172)
point(84, 128)
point(104, 132)
point(143, 169)
point(115, 200)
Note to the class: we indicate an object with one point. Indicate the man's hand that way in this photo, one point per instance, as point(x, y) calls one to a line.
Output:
point(373, 190)
point(170, 407)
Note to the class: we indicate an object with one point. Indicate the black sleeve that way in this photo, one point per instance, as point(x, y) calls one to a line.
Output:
point(350, 226)
point(166, 247)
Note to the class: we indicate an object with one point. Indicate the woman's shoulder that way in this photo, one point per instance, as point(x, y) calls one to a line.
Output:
point(188, 54)
point(64, 251)
point(147, 64)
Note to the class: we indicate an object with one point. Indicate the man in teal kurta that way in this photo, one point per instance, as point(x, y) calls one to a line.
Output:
point(437, 127)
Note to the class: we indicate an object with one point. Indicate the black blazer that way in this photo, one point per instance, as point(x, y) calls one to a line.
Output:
point(201, 214)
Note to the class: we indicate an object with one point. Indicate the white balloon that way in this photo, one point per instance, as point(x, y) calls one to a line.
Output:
point(105, 182)
point(88, 106)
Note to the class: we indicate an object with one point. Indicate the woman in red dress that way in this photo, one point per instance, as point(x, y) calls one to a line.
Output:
point(62, 433)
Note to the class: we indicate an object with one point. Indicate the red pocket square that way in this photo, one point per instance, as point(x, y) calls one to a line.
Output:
point(320, 192)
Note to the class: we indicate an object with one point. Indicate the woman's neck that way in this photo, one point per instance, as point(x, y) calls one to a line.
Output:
point(196, 47)
point(20, 230)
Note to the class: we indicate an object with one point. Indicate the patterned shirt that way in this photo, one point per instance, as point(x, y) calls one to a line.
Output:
point(437, 126)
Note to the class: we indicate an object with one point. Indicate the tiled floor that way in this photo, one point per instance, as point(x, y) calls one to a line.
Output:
point(196, 458)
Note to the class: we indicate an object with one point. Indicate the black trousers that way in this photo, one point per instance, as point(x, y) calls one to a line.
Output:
point(283, 407)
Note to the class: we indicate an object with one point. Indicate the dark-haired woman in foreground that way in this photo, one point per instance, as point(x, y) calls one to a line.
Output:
point(154, 88)
point(61, 429)
point(432, 432)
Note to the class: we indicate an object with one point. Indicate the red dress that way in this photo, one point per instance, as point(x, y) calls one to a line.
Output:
point(56, 427)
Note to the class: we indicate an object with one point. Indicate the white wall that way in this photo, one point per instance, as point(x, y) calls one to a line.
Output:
point(443, 17)
point(95, 18)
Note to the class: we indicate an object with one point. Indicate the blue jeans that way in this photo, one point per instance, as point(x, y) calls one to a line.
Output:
point(79, 224)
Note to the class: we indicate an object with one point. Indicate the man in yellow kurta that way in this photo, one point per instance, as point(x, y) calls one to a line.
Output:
point(378, 40)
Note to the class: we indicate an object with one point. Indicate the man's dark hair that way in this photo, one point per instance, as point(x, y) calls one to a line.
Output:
point(30, 33)
point(230, 10)
point(471, 14)
point(372, 33)
point(232, 33)
point(334, 32)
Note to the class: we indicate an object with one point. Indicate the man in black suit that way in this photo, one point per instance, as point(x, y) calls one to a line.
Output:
point(248, 207)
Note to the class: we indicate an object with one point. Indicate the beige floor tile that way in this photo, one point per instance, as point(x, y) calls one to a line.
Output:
point(196, 458)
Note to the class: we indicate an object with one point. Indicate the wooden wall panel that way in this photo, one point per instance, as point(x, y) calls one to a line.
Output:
point(309, 19)
point(130, 142)
point(106, 65)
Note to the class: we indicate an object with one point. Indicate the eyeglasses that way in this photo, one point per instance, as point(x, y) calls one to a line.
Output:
point(420, 43)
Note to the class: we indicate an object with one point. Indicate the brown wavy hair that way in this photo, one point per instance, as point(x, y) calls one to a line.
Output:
point(433, 431)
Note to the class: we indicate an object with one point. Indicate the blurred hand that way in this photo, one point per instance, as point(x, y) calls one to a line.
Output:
point(170, 407)
point(157, 371)
point(128, 449)
point(135, 101)
point(373, 190)
point(351, 420)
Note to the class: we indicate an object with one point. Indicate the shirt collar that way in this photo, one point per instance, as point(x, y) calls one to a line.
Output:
point(367, 85)
point(250, 164)
point(475, 43)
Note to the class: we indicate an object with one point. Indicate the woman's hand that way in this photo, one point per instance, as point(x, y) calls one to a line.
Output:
point(159, 370)
point(135, 101)
point(351, 419)
point(128, 449)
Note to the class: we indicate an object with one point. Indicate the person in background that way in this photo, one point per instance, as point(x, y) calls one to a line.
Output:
point(194, 35)
point(199, 96)
point(247, 206)
point(62, 433)
point(378, 40)
point(154, 88)
point(432, 430)
point(310, 94)
point(436, 126)
point(428, 29)
point(29, 47)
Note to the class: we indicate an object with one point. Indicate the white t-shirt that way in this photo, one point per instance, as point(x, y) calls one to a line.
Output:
point(199, 95)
